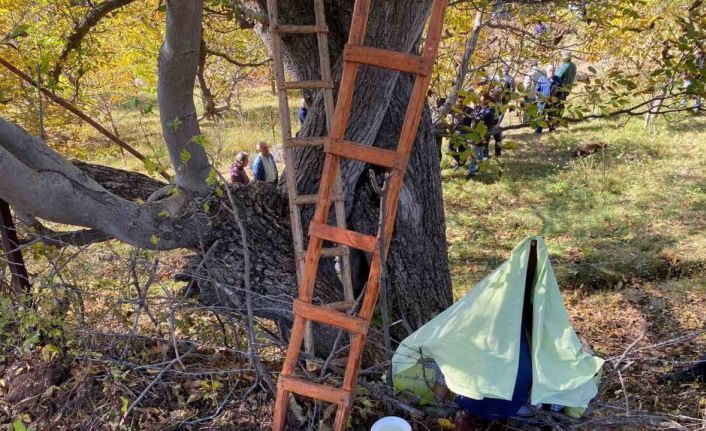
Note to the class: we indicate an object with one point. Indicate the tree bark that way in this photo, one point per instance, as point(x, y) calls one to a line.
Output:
point(418, 280)
point(178, 62)
point(39, 182)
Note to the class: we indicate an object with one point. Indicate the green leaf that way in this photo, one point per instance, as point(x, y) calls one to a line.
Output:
point(49, 352)
point(164, 214)
point(20, 30)
point(532, 110)
point(18, 425)
point(150, 165)
point(592, 69)
point(212, 179)
point(125, 404)
point(481, 129)
point(200, 139)
point(510, 145)
point(185, 156)
point(174, 124)
point(154, 239)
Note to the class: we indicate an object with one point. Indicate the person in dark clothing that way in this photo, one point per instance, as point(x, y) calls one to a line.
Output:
point(487, 114)
point(237, 169)
point(497, 409)
point(460, 123)
point(302, 112)
point(566, 74)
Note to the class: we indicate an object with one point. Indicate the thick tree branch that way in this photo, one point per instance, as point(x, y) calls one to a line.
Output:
point(38, 181)
point(178, 63)
point(74, 40)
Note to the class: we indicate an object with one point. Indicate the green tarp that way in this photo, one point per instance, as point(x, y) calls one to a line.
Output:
point(476, 341)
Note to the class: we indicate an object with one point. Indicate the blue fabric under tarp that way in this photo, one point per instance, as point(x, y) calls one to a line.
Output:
point(497, 409)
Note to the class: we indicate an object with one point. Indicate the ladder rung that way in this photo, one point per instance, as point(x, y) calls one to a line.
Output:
point(331, 317)
point(314, 390)
point(387, 59)
point(305, 142)
point(301, 29)
point(344, 237)
point(312, 199)
point(340, 305)
point(305, 85)
point(341, 250)
point(363, 153)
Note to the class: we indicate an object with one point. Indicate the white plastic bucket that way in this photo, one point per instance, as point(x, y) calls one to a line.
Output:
point(391, 423)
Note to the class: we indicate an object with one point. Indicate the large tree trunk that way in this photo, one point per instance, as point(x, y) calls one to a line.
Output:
point(418, 280)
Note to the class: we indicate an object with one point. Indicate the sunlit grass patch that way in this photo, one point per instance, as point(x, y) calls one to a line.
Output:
point(630, 211)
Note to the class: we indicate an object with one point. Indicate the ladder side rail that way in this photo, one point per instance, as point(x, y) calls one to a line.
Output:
point(329, 106)
point(286, 130)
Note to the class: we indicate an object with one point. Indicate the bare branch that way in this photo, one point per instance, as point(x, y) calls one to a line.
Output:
point(74, 40)
point(462, 68)
point(233, 61)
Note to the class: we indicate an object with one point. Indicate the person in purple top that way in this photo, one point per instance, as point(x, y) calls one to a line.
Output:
point(540, 29)
point(237, 169)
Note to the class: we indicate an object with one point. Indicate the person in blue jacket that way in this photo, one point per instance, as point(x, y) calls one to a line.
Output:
point(303, 112)
point(486, 112)
point(264, 167)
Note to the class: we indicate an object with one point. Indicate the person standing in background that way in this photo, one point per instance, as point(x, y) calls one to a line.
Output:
point(542, 96)
point(302, 113)
point(237, 169)
point(507, 88)
point(460, 124)
point(567, 74)
point(264, 167)
point(486, 114)
point(530, 84)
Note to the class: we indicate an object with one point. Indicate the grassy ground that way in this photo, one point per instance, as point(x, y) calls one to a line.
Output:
point(631, 212)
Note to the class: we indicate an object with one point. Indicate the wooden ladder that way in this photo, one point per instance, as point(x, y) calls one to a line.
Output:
point(355, 54)
point(296, 201)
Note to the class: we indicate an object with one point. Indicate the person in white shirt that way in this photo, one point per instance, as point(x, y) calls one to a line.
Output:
point(530, 83)
point(264, 167)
